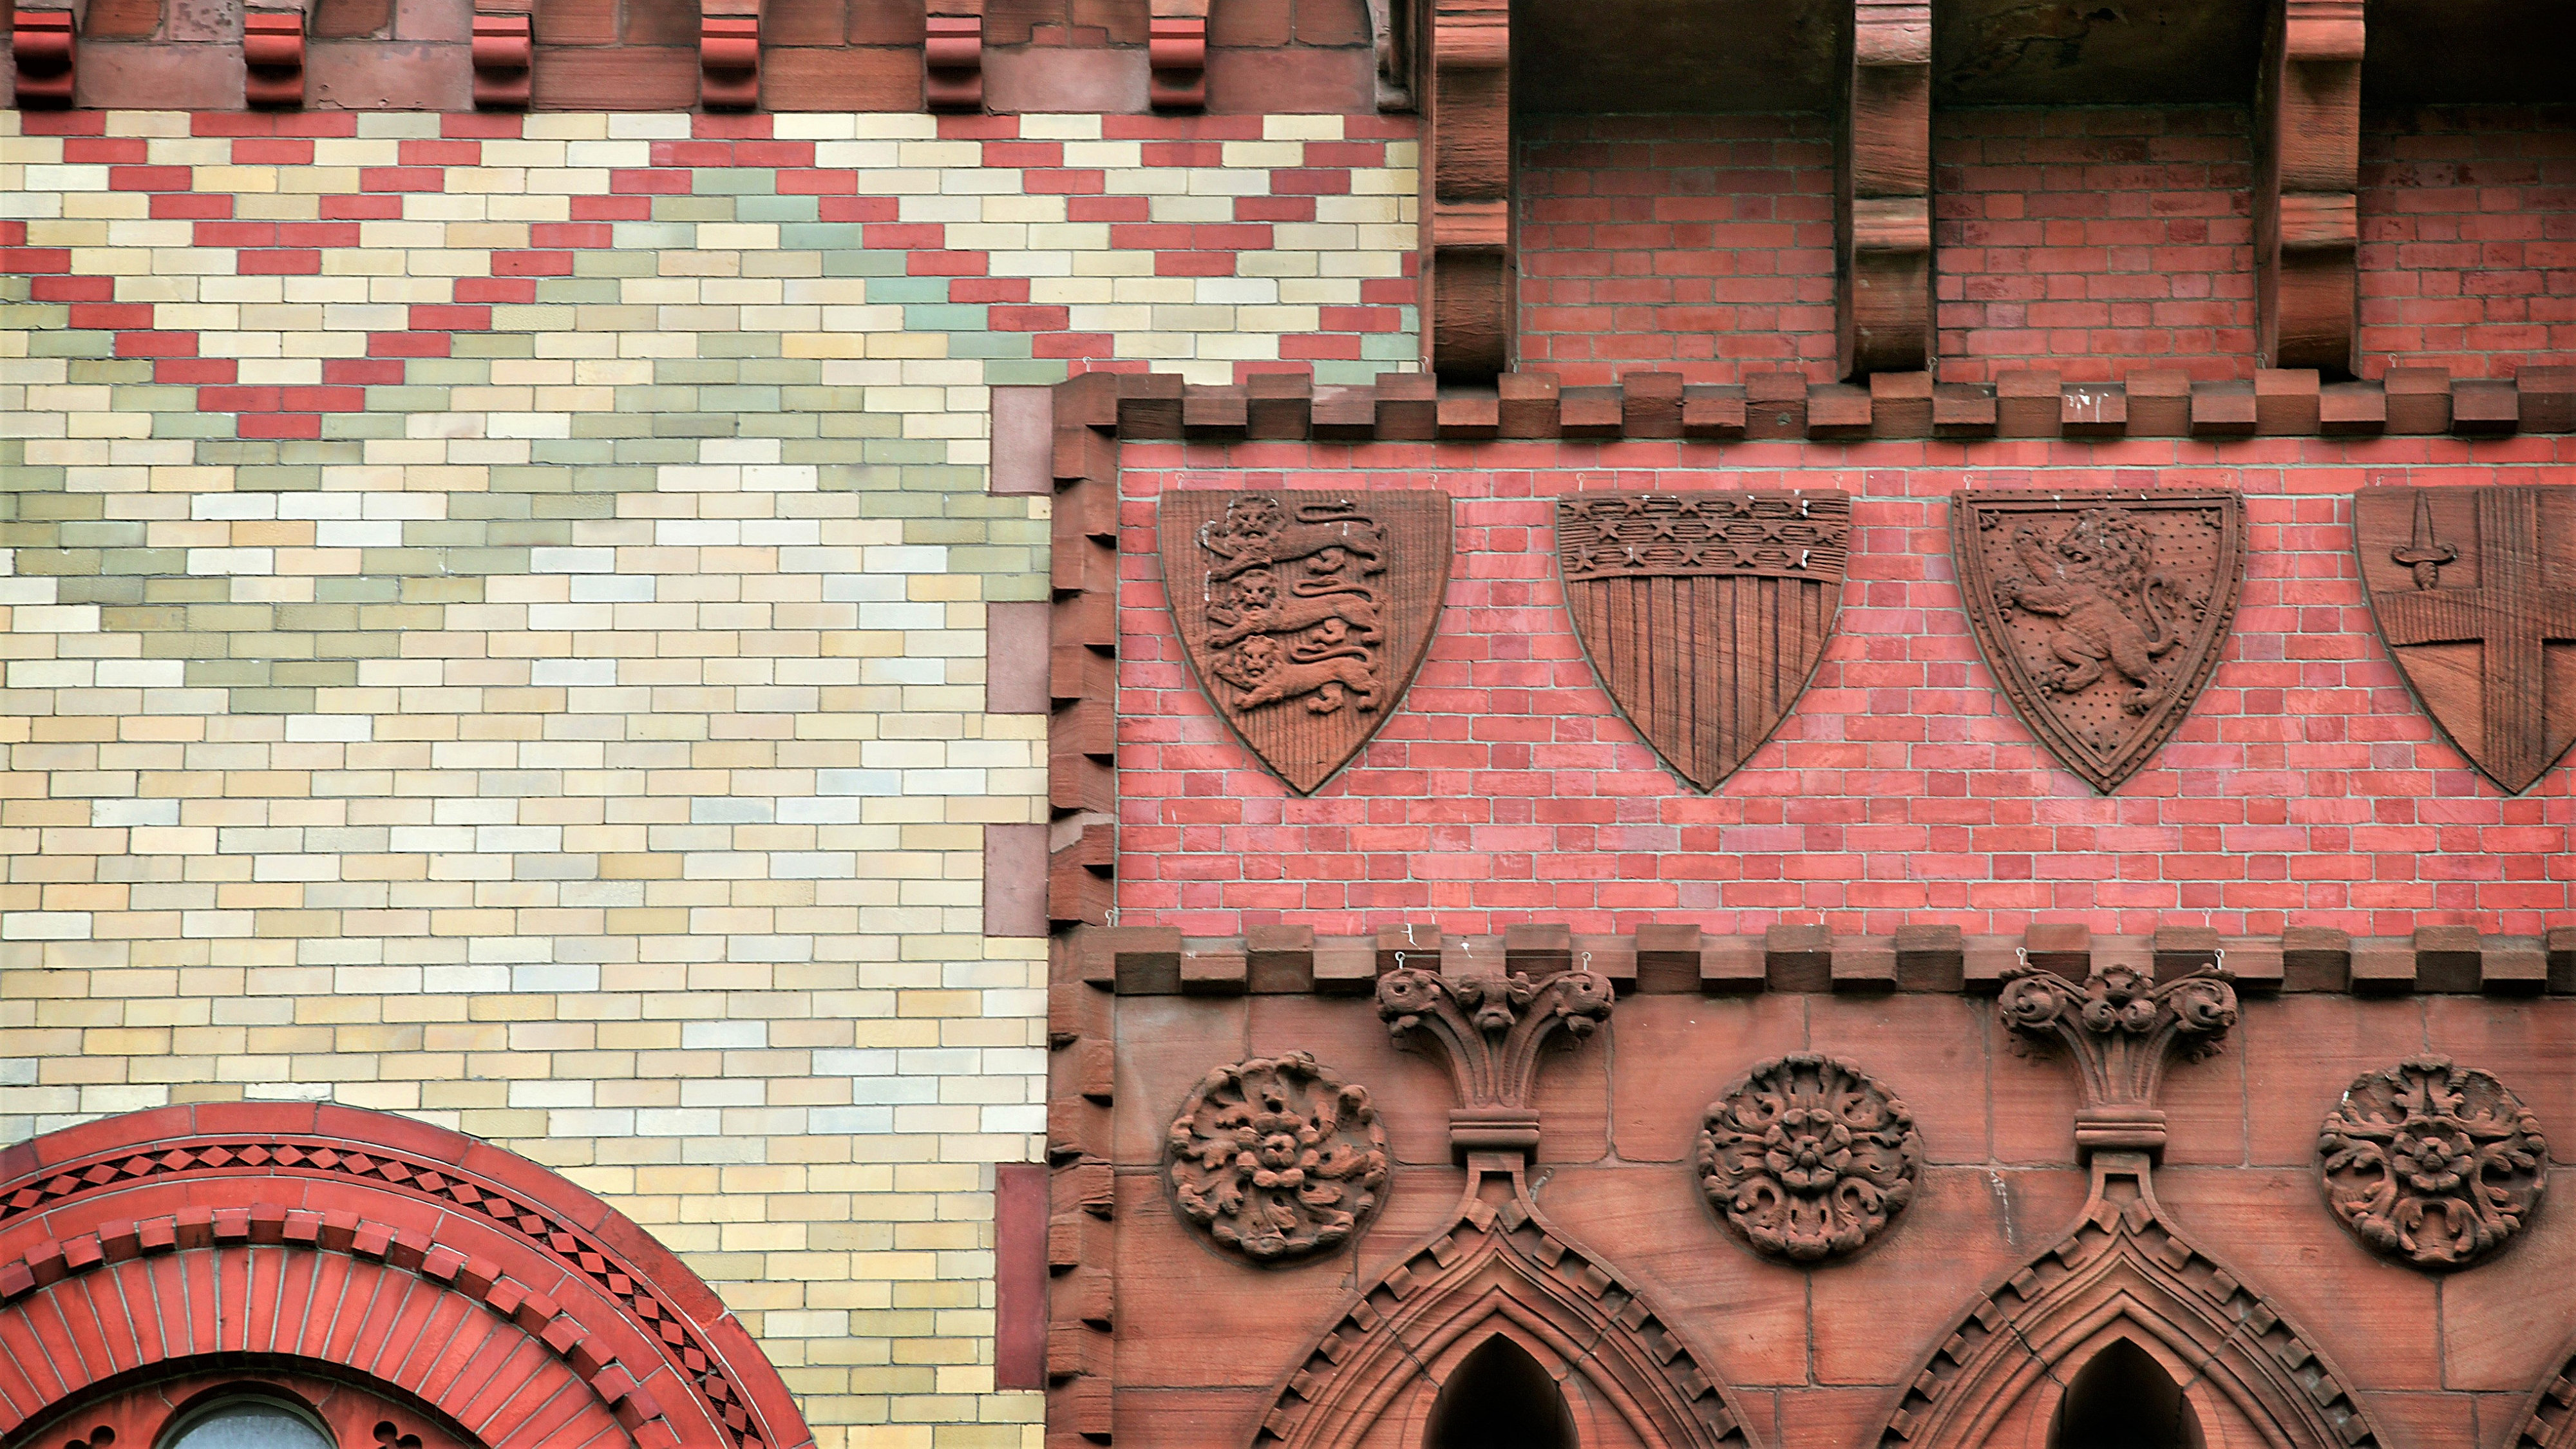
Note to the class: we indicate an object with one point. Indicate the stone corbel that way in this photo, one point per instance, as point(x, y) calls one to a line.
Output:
point(273, 34)
point(1884, 233)
point(729, 55)
point(2306, 229)
point(1490, 1027)
point(1176, 49)
point(2120, 1027)
point(1467, 260)
point(504, 55)
point(44, 36)
point(952, 55)
point(1392, 26)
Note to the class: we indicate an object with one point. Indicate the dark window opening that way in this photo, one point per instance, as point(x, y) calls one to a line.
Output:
point(1500, 1399)
point(2124, 1399)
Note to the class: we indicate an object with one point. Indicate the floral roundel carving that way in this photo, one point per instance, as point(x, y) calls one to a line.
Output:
point(1808, 1157)
point(1277, 1158)
point(2432, 1162)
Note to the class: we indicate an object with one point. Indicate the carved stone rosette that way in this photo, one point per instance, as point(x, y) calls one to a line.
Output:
point(1808, 1157)
point(1276, 1158)
point(2431, 1162)
point(2119, 1026)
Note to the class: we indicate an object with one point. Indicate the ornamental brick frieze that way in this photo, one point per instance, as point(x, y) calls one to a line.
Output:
point(1660, 959)
point(2100, 613)
point(2432, 1163)
point(1277, 1158)
point(1807, 1157)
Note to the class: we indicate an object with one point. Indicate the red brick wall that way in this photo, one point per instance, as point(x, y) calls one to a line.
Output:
point(1691, 244)
point(2094, 241)
point(2306, 788)
point(2468, 231)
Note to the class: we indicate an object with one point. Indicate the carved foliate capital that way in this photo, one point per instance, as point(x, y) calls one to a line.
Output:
point(2120, 1027)
point(1491, 1028)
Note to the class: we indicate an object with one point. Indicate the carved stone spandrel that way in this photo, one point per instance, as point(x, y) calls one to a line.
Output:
point(1305, 613)
point(1277, 1158)
point(1807, 1157)
point(2474, 591)
point(1704, 614)
point(2101, 613)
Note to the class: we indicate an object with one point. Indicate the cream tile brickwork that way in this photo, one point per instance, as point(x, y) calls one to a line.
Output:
point(576, 738)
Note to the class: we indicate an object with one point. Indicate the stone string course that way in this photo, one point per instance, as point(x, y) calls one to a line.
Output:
point(495, 615)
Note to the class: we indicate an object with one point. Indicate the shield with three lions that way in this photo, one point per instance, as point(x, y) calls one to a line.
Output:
point(1304, 612)
point(2100, 612)
point(1704, 613)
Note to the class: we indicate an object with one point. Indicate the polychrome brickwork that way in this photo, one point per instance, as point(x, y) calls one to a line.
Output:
point(496, 633)
point(2306, 788)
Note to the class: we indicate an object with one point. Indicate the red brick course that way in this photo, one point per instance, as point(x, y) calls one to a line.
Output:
point(2468, 238)
point(2306, 788)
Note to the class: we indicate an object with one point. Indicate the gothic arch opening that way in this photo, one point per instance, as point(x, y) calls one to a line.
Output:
point(1500, 1398)
point(2124, 1399)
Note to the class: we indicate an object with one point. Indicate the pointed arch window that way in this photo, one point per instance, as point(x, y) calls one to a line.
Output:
point(2124, 1399)
point(1500, 1398)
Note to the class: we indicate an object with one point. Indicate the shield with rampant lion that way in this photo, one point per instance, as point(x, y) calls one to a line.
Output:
point(2100, 612)
point(1305, 612)
point(1704, 614)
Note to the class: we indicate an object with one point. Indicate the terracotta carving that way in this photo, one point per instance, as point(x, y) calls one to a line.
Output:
point(1277, 1158)
point(2474, 589)
point(1704, 613)
point(1305, 613)
point(1808, 1157)
point(2550, 1421)
point(2101, 613)
point(2119, 1026)
point(2432, 1162)
point(1491, 1028)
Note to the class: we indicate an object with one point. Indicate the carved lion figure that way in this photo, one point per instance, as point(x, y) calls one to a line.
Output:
point(2098, 581)
point(1255, 607)
point(1264, 673)
point(1257, 533)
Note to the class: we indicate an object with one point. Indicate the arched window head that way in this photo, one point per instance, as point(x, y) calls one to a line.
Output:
point(247, 1421)
point(2124, 1399)
point(1499, 1398)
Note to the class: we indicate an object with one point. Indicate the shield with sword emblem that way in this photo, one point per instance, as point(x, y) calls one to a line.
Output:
point(1704, 613)
point(2474, 589)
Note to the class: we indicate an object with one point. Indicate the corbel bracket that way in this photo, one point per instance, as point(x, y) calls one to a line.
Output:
point(952, 56)
point(273, 56)
point(1491, 1027)
point(1467, 254)
point(2306, 227)
point(1883, 232)
point(729, 55)
point(44, 39)
point(504, 56)
point(1176, 48)
point(2120, 1026)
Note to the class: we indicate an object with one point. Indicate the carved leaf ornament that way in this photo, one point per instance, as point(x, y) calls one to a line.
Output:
point(1808, 1157)
point(1277, 1158)
point(2431, 1162)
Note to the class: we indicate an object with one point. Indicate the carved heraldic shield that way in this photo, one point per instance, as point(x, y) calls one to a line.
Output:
point(2101, 613)
point(1305, 613)
point(1704, 613)
point(2474, 589)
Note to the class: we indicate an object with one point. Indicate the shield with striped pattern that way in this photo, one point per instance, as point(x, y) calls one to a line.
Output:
point(1704, 614)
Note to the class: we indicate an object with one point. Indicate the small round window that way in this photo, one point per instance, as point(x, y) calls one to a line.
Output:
point(245, 1422)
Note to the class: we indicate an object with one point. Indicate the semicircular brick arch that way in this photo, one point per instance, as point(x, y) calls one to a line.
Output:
point(465, 1275)
point(2126, 1272)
